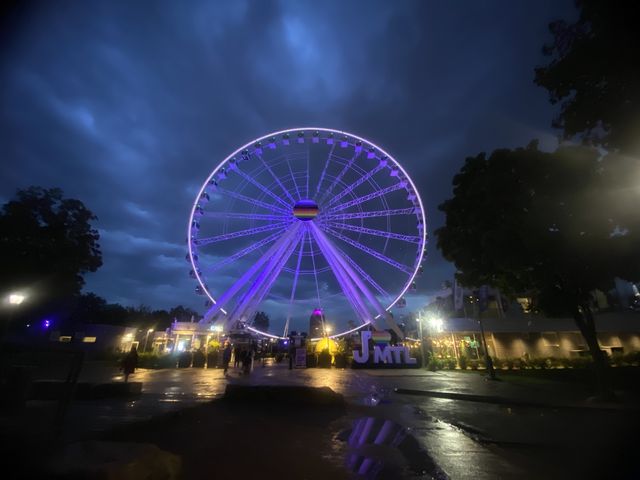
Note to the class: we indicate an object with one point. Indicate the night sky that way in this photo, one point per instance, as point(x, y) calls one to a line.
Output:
point(128, 106)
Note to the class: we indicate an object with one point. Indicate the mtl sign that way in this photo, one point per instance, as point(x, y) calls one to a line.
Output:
point(386, 355)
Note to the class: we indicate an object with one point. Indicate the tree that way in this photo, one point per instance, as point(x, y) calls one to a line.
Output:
point(552, 224)
point(183, 314)
point(261, 321)
point(595, 75)
point(47, 244)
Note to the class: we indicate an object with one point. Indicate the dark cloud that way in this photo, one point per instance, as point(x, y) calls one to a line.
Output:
point(129, 105)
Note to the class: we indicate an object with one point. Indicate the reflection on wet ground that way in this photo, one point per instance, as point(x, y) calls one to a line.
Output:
point(380, 448)
point(457, 438)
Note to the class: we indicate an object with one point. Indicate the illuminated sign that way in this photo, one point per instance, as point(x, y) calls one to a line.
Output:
point(385, 354)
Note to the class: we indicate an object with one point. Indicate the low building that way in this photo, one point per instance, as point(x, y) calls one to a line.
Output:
point(533, 336)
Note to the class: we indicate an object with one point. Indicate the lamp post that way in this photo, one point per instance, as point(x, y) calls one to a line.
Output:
point(146, 339)
point(419, 320)
point(14, 300)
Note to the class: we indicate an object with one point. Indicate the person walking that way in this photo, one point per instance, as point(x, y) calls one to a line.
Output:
point(130, 362)
point(246, 361)
point(236, 356)
point(226, 357)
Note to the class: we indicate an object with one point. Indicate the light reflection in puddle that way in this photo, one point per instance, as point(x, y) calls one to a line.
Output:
point(379, 448)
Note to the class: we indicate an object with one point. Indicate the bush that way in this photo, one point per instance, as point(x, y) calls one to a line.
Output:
point(538, 363)
point(199, 359)
point(474, 364)
point(580, 362)
point(462, 362)
point(450, 363)
point(498, 363)
point(340, 360)
point(312, 360)
point(213, 359)
point(152, 360)
point(185, 359)
point(632, 358)
point(324, 359)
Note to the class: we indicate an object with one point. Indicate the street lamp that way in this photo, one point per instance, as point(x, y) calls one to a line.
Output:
point(16, 298)
point(146, 339)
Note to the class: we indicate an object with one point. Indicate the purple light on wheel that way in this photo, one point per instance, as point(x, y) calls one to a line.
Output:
point(305, 210)
point(361, 208)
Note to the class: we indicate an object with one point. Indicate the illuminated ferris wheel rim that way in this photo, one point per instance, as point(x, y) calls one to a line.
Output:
point(343, 136)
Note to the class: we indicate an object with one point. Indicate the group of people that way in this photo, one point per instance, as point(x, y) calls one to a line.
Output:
point(242, 356)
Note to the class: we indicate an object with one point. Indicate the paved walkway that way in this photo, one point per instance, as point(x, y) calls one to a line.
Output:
point(466, 439)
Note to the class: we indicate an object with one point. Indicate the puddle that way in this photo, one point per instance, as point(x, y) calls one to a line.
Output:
point(378, 448)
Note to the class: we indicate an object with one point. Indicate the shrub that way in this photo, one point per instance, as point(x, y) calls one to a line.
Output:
point(199, 359)
point(152, 360)
point(580, 362)
point(324, 359)
point(498, 363)
point(340, 360)
point(185, 359)
point(632, 358)
point(312, 360)
point(462, 362)
point(450, 363)
point(474, 364)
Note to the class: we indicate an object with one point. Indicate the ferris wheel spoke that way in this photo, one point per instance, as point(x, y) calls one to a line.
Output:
point(365, 275)
point(293, 179)
point(307, 189)
point(265, 280)
point(324, 170)
point(200, 242)
point(370, 214)
point(284, 190)
point(352, 284)
point(356, 184)
point(295, 285)
point(261, 187)
point(252, 201)
point(340, 262)
point(371, 252)
point(315, 270)
point(377, 233)
point(245, 251)
point(338, 179)
point(255, 267)
point(366, 198)
point(346, 284)
point(248, 216)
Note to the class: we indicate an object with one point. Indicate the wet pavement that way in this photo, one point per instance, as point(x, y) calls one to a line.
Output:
point(462, 439)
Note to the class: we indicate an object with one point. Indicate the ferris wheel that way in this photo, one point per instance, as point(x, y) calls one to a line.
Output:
point(302, 220)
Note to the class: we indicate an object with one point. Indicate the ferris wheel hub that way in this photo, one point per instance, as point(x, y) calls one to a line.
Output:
point(305, 210)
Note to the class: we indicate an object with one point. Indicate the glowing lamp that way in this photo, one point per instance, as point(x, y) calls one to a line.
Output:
point(16, 298)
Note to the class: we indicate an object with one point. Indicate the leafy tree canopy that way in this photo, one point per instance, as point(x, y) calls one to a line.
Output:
point(47, 243)
point(557, 224)
point(594, 74)
point(261, 321)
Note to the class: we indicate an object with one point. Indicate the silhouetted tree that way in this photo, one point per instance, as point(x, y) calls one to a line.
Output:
point(47, 244)
point(261, 321)
point(594, 74)
point(183, 314)
point(547, 223)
